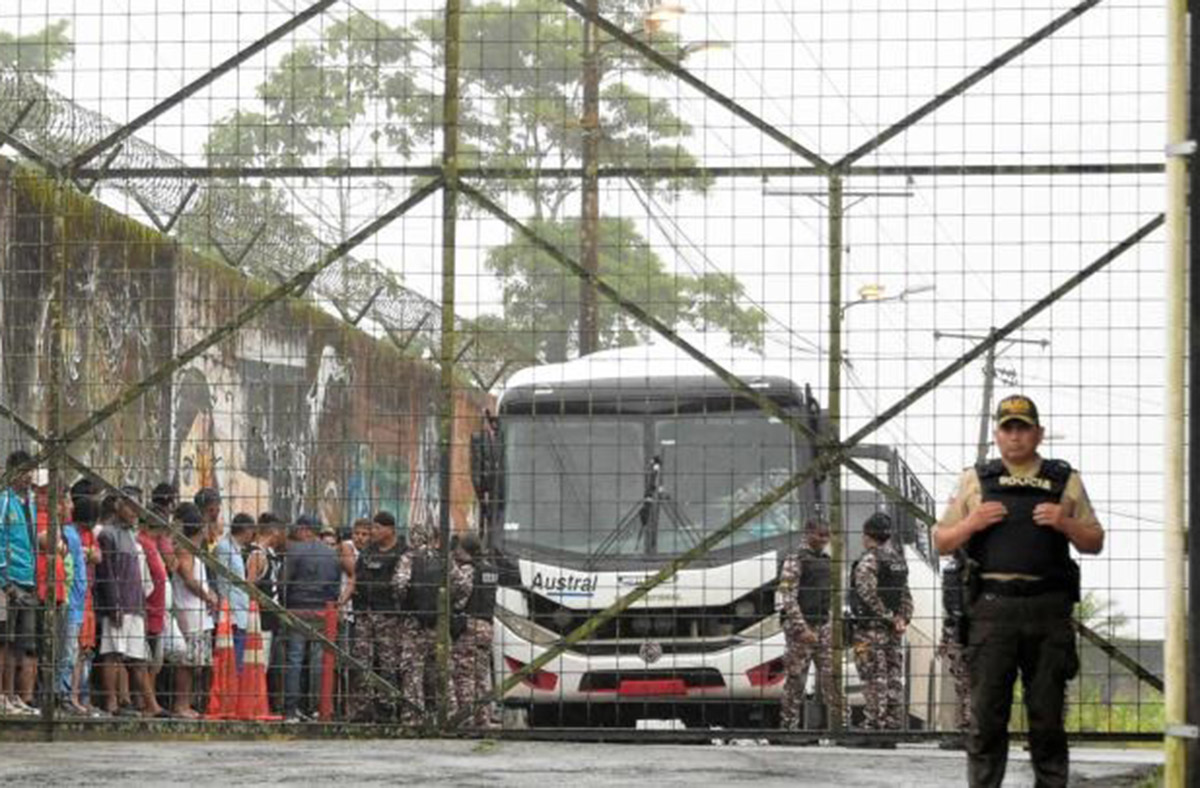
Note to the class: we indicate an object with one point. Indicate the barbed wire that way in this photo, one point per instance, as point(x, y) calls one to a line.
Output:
point(210, 212)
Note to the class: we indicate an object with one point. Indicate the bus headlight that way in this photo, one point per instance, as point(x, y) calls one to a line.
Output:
point(744, 609)
point(766, 628)
point(526, 629)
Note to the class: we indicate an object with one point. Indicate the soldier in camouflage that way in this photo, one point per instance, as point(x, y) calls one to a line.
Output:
point(416, 582)
point(951, 647)
point(471, 656)
point(803, 601)
point(883, 607)
point(377, 630)
point(951, 650)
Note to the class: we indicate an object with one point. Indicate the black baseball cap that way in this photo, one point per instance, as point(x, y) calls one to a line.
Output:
point(1018, 407)
point(307, 521)
point(878, 526)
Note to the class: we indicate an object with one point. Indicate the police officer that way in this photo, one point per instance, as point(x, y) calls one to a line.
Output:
point(377, 616)
point(803, 602)
point(1017, 517)
point(882, 607)
point(417, 581)
point(951, 647)
point(471, 655)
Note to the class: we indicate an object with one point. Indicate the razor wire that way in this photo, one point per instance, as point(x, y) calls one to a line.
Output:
point(272, 246)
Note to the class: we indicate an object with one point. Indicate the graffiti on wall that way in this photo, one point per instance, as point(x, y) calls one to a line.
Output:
point(296, 413)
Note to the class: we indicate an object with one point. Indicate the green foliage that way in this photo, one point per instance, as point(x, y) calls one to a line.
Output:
point(1088, 712)
point(37, 53)
point(541, 298)
point(1100, 615)
point(315, 100)
point(364, 89)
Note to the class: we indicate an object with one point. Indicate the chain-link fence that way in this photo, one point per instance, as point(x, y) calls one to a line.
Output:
point(572, 364)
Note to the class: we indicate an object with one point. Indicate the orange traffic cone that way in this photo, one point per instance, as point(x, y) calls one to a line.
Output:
point(252, 699)
point(222, 700)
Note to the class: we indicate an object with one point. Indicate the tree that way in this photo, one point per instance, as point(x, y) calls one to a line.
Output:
point(370, 85)
point(38, 53)
point(1100, 615)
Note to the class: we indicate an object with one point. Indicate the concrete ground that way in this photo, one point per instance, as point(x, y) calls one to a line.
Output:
point(523, 763)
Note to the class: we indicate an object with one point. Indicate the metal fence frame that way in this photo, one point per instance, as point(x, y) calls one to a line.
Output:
point(80, 171)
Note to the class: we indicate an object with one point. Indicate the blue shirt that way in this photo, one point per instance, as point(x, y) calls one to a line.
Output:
point(75, 599)
point(16, 547)
point(311, 575)
point(229, 553)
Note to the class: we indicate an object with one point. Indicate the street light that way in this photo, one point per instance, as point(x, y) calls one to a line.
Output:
point(663, 12)
point(873, 293)
point(691, 48)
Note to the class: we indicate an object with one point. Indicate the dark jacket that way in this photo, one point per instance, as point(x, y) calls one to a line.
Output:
point(118, 576)
point(311, 576)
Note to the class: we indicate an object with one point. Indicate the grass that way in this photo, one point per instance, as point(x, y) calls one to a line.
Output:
point(1087, 712)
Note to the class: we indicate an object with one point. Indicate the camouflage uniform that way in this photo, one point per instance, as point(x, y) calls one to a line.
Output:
point(472, 672)
point(878, 648)
point(952, 652)
point(378, 644)
point(417, 643)
point(800, 652)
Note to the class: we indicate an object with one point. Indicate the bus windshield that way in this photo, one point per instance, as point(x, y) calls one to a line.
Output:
point(583, 484)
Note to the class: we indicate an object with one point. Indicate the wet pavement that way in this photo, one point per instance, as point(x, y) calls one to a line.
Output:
point(524, 763)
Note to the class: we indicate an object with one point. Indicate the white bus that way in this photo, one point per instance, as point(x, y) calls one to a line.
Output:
point(613, 465)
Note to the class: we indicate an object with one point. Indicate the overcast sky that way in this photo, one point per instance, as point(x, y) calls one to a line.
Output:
point(830, 75)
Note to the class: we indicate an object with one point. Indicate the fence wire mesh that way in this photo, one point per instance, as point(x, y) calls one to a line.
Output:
point(548, 363)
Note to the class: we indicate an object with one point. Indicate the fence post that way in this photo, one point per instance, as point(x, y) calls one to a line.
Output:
point(1175, 280)
point(446, 423)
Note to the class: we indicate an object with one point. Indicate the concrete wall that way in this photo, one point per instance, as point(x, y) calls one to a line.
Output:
point(296, 412)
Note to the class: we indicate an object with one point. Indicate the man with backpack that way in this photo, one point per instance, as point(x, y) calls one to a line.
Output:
point(882, 605)
point(418, 578)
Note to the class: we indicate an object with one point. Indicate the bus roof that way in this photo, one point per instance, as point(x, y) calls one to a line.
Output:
point(654, 366)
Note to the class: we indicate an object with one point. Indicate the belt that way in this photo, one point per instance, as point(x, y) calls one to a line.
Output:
point(1021, 588)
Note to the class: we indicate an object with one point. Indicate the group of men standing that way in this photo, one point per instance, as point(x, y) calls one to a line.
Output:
point(1008, 594)
point(396, 604)
point(140, 602)
point(881, 608)
point(1009, 526)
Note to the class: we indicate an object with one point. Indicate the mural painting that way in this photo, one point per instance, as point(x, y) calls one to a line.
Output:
point(296, 413)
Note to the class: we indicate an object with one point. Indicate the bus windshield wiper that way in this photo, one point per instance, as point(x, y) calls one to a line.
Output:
point(646, 513)
point(641, 512)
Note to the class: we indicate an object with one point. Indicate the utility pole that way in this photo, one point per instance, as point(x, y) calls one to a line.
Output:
point(589, 220)
point(837, 531)
point(836, 207)
point(990, 373)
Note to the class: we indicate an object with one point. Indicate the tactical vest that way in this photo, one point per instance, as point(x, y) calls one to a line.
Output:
point(373, 580)
point(482, 603)
point(814, 593)
point(1017, 544)
point(890, 584)
point(421, 601)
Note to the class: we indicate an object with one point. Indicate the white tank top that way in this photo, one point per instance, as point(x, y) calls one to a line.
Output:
point(349, 608)
point(191, 611)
